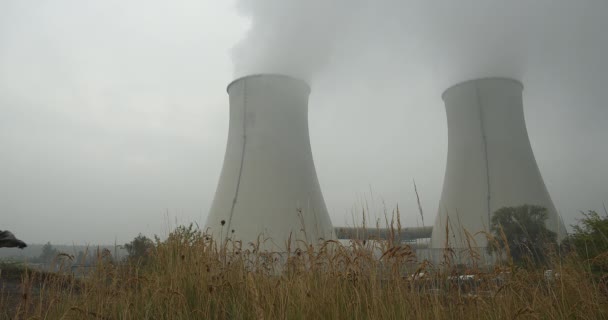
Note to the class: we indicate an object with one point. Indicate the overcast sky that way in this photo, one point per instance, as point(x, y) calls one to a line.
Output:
point(114, 114)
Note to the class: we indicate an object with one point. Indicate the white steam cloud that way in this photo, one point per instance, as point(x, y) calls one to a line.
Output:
point(454, 40)
point(290, 37)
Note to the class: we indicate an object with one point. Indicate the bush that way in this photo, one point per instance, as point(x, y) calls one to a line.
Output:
point(590, 240)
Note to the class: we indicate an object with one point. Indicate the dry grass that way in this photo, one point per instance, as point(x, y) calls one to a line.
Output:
point(187, 277)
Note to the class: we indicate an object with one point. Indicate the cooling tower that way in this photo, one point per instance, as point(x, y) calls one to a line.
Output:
point(268, 186)
point(490, 162)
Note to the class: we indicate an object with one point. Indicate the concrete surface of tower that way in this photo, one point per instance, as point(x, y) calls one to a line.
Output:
point(490, 162)
point(268, 187)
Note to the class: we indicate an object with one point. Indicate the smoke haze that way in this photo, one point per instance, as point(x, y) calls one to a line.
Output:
point(114, 115)
point(454, 40)
point(290, 37)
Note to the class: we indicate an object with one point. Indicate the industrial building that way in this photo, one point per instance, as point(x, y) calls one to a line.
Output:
point(490, 163)
point(268, 191)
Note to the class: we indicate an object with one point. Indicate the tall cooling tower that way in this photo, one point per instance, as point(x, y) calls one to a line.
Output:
point(490, 162)
point(268, 187)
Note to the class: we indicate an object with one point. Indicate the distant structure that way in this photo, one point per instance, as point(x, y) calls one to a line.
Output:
point(398, 235)
point(8, 240)
point(490, 162)
point(268, 187)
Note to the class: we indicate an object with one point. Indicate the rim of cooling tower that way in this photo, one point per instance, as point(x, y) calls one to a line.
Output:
point(480, 79)
point(272, 75)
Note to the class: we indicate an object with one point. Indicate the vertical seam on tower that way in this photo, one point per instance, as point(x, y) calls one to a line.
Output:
point(238, 181)
point(485, 151)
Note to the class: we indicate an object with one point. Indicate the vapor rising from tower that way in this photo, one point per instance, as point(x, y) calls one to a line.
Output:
point(268, 187)
point(490, 162)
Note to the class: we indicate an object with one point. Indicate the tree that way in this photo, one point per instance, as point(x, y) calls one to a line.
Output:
point(525, 231)
point(48, 253)
point(139, 248)
point(590, 240)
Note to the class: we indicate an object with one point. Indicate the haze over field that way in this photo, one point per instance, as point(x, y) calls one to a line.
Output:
point(114, 115)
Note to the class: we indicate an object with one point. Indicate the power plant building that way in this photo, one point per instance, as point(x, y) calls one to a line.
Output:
point(490, 163)
point(268, 188)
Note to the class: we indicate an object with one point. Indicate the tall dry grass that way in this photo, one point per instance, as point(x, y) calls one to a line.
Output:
point(189, 276)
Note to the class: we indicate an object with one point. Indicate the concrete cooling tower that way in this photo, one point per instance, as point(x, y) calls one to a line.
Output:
point(268, 187)
point(490, 162)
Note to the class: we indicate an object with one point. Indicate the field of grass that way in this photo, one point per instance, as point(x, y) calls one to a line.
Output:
point(187, 277)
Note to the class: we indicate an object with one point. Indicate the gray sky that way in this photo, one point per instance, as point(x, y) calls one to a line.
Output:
point(114, 115)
